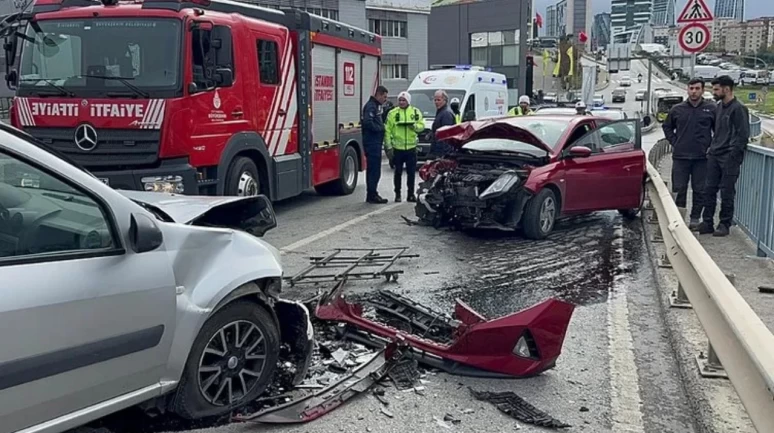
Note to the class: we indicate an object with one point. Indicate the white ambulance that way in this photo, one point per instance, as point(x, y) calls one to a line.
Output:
point(483, 94)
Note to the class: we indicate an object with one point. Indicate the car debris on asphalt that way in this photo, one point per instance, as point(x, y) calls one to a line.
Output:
point(516, 407)
point(363, 341)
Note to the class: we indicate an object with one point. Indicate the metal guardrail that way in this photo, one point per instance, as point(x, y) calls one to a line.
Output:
point(755, 198)
point(741, 341)
point(755, 127)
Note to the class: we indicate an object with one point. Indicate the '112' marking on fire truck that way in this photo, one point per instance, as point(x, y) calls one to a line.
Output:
point(71, 109)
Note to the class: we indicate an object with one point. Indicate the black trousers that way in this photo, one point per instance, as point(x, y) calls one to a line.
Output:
point(695, 172)
point(409, 159)
point(722, 173)
point(373, 168)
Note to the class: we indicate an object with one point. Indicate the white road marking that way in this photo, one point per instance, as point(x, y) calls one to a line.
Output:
point(625, 400)
point(316, 237)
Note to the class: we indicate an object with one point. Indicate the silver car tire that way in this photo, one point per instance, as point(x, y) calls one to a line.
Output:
point(231, 362)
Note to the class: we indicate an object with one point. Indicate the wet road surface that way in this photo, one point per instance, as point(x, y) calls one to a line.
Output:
point(616, 372)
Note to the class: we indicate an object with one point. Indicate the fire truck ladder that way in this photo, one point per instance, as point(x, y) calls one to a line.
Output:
point(380, 258)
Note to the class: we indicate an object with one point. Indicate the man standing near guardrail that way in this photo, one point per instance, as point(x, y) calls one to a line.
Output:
point(725, 156)
point(688, 128)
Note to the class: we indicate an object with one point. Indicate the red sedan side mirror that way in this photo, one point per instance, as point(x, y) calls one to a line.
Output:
point(580, 152)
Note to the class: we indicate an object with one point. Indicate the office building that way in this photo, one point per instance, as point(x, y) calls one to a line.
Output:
point(729, 9)
point(551, 24)
point(483, 33)
point(628, 14)
point(600, 31)
point(663, 13)
point(749, 37)
point(572, 17)
point(401, 23)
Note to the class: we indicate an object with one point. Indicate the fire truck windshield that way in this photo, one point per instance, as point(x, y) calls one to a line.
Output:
point(113, 57)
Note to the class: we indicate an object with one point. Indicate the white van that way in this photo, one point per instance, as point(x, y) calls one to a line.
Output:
point(483, 94)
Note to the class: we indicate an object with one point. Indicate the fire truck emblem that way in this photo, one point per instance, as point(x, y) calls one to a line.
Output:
point(216, 101)
point(84, 102)
point(85, 137)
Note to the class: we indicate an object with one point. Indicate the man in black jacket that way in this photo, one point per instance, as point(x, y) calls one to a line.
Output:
point(372, 125)
point(688, 128)
point(725, 156)
point(443, 117)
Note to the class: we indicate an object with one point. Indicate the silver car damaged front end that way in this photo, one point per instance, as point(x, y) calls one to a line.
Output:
point(217, 258)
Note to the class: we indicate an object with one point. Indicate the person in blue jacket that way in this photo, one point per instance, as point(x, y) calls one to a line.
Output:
point(373, 140)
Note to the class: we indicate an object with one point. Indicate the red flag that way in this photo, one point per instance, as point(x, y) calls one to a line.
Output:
point(582, 37)
point(539, 20)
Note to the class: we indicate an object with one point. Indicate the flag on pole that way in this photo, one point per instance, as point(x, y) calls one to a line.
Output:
point(572, 61)
point(539, 20)
point(546, 59)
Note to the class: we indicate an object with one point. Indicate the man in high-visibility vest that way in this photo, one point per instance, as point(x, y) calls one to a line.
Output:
point(455, 108)
point(522, 109)
point(404, 122)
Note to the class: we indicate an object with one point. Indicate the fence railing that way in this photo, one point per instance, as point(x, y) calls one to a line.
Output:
point(755, 199)
point(755, 127)
point(738, 338)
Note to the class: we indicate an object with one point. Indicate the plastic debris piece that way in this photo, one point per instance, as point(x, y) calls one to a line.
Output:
point(441, 423)
point(387, 412)
point(516, 407)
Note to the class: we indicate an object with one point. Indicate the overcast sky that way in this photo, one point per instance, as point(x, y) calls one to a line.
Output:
point(753, 8)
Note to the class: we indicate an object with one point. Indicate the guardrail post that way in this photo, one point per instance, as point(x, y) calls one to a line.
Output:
point(710, 365)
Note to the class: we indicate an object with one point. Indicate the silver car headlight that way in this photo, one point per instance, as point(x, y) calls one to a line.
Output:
point(503, 184)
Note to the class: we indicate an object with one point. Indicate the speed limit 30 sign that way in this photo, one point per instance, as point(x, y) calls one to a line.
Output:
point(694, 37)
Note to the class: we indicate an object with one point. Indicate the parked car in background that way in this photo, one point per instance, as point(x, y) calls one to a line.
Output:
point(128, 297)
point(526, 172)
point(708, 97)
point(550, 97)
point(625, 81)
point(641, 95)
point(599, 100)
point(619, 95)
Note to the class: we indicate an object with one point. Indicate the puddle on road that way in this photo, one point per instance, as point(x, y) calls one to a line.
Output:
point(577, 263)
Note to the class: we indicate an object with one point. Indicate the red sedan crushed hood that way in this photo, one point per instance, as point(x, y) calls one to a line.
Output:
point(459, 135)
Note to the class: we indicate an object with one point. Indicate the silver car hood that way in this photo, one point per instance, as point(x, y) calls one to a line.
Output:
point(253, 215)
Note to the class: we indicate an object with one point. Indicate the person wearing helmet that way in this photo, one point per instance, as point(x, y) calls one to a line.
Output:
point(580, 108)
point(400, 142)
point(522, 109)
point(455, 108)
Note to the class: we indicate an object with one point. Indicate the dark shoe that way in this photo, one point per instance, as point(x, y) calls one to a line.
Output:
point(379, 200)
point(705, 228)
point(694, 224)
point(721, 231)
point(397, 198)
point(411, 198)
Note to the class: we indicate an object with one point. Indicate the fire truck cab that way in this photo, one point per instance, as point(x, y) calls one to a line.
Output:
point(210, 97)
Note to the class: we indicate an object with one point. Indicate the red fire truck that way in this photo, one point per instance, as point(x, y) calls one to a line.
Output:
point(210, 97)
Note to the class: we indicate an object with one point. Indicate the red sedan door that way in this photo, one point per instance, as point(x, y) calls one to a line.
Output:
point(611, 177)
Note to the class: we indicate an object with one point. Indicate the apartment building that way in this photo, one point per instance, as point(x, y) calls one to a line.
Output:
point(628, 14)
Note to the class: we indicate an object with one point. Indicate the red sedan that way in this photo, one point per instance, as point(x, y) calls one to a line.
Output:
point(525, 172)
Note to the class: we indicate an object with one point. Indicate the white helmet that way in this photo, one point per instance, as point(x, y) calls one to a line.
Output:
point(580, 104)
point(524, 99)
point(455, 101)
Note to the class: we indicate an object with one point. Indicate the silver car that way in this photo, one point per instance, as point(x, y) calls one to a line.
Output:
point(111, 298)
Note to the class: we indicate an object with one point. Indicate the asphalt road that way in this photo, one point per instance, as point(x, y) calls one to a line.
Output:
point(617, 370)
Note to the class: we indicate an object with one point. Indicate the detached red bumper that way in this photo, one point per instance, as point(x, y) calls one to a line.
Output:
point(521, 344)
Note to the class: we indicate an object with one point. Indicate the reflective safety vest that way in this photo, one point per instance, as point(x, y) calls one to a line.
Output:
point(457, 118)
point(517, 111)
point(402, 127)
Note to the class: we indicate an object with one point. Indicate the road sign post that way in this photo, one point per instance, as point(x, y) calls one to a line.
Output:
point(695, 11)
point(694, 36)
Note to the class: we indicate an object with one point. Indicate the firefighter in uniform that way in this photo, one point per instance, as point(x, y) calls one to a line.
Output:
point(404, 122)
point(455, 108)
point(373, 137)
point(522, 109)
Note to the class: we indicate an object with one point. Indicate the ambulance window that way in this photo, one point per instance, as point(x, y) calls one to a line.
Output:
point(268, 67)
point(471, 104)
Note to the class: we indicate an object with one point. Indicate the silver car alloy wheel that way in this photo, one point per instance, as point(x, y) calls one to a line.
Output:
point(349, 171)
point(248, 186)
point(232, 363)
point(547, 214)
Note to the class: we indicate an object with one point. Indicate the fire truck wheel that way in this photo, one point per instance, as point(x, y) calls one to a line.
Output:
point(347, 182)
point(243, 179)
point(231, 361)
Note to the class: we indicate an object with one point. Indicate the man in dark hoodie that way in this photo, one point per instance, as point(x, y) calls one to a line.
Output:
point(443, 117)
point(725, 156)
point(688, 128)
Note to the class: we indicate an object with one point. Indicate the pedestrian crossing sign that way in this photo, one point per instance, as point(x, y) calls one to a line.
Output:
point(695, 11)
